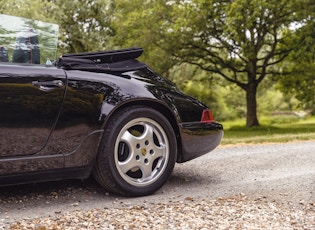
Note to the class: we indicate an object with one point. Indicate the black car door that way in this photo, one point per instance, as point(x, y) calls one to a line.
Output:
point(31, 97)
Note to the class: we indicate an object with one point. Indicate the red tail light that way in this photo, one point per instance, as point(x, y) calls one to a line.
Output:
point(207, 116)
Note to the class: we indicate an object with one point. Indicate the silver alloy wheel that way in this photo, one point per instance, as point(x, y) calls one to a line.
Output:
point(141, 152)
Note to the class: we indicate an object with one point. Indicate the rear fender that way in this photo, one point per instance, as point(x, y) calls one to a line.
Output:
point(108, 110)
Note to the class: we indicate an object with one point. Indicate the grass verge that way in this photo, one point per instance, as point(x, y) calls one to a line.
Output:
point(270, 131)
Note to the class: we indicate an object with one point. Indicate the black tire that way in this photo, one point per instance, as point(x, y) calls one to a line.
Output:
point(137, 152)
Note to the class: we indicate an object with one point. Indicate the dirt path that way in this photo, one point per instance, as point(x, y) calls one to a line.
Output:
point(282, 173)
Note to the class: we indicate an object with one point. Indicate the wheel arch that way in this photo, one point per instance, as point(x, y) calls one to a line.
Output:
point(162, 108)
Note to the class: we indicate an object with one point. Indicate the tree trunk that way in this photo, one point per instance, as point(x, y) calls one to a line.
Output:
point(251, 105)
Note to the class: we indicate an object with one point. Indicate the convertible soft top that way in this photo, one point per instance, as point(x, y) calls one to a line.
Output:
point(114, 61)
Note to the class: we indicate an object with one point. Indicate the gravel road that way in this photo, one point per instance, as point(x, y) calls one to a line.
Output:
point(269, 186)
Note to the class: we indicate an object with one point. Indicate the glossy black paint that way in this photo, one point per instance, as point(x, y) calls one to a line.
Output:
point(52, 119)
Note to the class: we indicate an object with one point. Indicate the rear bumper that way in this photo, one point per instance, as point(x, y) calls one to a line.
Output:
point(198, 138)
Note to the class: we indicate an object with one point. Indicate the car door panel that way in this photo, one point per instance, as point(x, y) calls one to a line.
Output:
point(30, 100)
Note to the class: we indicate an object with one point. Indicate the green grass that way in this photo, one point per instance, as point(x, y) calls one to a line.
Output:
point(279, 129)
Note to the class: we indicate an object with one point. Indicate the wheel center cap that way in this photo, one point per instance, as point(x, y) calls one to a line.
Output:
point(144, 151)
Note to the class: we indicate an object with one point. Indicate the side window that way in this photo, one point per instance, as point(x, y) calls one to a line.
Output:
point(27, 41)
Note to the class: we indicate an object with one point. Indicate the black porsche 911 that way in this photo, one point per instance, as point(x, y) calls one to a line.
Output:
point(104, 114)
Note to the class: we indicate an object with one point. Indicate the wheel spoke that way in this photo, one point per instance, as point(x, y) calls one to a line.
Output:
point(146, 171)
point(148, 133)
point(159, 151)
point(129, 164)
point(130, 139)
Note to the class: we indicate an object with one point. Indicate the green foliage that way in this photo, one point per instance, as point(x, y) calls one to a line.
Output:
point(85, 25)
point(273, 100)
point(34, 9)
point(301, 66)
point(300, 83)
point(139, 23)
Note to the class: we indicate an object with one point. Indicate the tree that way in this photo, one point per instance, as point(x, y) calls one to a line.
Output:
point(84, 25)
point(138, 23)
point(240, 40)
point(301, 63)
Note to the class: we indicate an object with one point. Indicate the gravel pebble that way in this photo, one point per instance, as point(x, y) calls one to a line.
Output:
point(234, 212)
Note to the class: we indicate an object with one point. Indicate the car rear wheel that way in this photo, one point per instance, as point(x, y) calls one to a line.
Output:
point(137, 153)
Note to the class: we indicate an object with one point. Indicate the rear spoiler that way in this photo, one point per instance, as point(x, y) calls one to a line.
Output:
point(116, 61)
